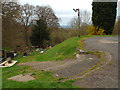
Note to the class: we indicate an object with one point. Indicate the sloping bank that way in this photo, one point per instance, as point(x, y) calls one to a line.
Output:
point(66, 49)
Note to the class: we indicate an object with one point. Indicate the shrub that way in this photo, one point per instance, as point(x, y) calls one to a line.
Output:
point(94, 30)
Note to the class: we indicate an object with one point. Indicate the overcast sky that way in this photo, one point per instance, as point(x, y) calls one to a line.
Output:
point(63, 8)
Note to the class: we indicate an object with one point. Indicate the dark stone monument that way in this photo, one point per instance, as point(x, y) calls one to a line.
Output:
point(24, 54)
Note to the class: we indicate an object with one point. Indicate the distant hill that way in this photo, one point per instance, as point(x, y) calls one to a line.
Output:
point(64, 26)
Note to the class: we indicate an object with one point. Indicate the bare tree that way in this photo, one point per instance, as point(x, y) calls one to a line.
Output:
point(24, 15)
point(74, 23)
point(85, 18)
point(10, 26)
point(27, 13)
point(10, 11)
point(26, 18)
point(46, 13)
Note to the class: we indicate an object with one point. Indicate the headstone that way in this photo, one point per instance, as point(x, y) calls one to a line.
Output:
point(37, 49)
point(41, 52)
point(10, 54)
point(15, 54)
point(29, 50)
point(3, 54)
point(24, 54)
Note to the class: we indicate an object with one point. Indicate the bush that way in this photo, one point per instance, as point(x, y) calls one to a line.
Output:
point(94, 31)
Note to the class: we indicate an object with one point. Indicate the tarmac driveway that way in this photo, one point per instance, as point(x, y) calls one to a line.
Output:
point(107, 77)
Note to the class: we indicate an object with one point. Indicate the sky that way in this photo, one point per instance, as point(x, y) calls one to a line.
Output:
point(63, 8)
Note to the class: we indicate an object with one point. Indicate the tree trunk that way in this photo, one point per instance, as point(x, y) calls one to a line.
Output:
point(26, 37)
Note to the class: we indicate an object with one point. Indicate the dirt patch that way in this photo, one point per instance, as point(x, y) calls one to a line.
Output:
point(78, 67)
point(39, 65)
point(22, 78)
point(65, 68)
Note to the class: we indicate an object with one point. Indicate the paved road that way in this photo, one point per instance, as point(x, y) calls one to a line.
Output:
point(109, 44)
point(76, 69)
point(107, 77)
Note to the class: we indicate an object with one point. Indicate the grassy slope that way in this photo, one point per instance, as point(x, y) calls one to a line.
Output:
point(63, 50)
point(66, 49)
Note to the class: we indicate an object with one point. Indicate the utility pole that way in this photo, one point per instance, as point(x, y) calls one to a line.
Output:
point(78, 20)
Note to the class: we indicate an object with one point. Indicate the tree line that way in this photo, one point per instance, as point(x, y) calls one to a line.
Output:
point(20, 19)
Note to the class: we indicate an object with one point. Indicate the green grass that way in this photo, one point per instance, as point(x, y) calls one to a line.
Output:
point(66, 49)
point(63, 50)
point(42, 79)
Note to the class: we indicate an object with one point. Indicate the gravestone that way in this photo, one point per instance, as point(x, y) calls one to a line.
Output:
point(24, 54)
point(37, 49)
